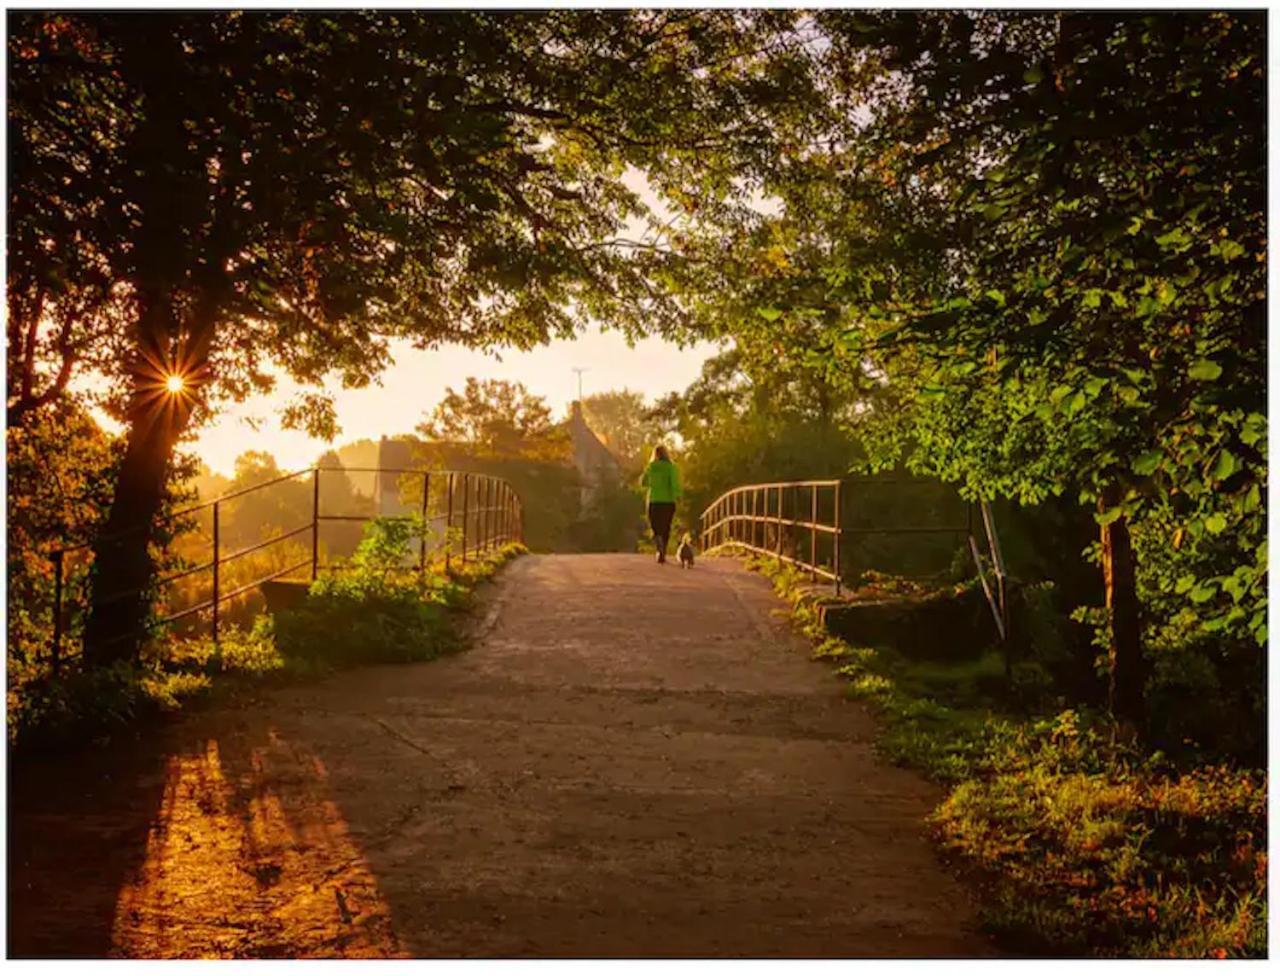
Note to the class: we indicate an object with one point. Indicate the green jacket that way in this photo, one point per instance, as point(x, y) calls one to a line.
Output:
point(663, 481)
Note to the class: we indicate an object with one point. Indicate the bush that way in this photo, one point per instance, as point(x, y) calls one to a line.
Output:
point(341, 625)
point(53, 709)
point(377, 611)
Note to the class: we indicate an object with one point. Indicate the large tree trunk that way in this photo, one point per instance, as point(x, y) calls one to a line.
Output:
point(123, 565)
point(1125, 649)
point(180, 284)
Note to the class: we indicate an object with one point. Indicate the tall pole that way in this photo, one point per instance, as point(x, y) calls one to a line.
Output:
point(579, 370)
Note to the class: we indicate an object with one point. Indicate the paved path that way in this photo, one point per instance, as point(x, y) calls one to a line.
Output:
point(634, 760)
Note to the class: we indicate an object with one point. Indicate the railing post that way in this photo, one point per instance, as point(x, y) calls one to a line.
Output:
point(779, 540)
point(217, 551)
point(448, 519)
point(486, 520)
point(56, 649)
point(755, 498)
point(315, 523)
point(422, 539)
point(836, 551)
point(813, 534)
point(466, 486)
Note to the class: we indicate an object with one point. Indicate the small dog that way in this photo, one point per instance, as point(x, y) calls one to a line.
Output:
point(685, 551)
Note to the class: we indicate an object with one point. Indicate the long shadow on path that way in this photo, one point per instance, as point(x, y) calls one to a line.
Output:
point(634, 760)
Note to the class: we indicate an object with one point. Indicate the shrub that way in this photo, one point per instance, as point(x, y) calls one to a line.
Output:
point(378, 610)
point(340, 625)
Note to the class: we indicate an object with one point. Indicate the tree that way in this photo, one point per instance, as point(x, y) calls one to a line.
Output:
point(269, 510)
point(746, 420)
point(621, 420)
point(225, 192)
point(495, 417)
point(1046, 231)
point(339, 496)
point(208, 484)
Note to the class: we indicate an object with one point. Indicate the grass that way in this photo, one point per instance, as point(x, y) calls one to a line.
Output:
point(376, 614)
point(1083, 842)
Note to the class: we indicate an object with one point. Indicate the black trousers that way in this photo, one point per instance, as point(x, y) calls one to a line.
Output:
point(660, 516)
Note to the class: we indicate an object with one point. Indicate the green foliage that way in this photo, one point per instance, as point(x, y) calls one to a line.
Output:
point(1119, 862)
point(624, 424)
point(264, 512)
point(60, 467)
point(549, 490)
point(251, 652)
point(738, 426)
point(496, 417)
point(344, 624)
point(611, 520)
point(377, 610)
point(439, 175)
point(1030, 251)
point(53, 709)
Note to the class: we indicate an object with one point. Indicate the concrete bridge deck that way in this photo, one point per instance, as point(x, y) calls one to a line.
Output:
point(634, 760)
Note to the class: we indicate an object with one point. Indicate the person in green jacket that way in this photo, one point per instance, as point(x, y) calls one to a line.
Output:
point(662, 478)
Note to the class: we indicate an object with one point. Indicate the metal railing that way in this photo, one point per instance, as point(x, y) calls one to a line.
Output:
point(463, 514)
point(809, 525)
point(756, 518)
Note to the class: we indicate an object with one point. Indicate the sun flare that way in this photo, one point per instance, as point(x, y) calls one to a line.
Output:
point(175, 384)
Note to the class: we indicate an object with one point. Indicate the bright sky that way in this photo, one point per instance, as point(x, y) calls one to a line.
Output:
point(416, 382)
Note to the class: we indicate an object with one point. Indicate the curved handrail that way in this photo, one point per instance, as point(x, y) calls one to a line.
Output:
point(729, 522)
